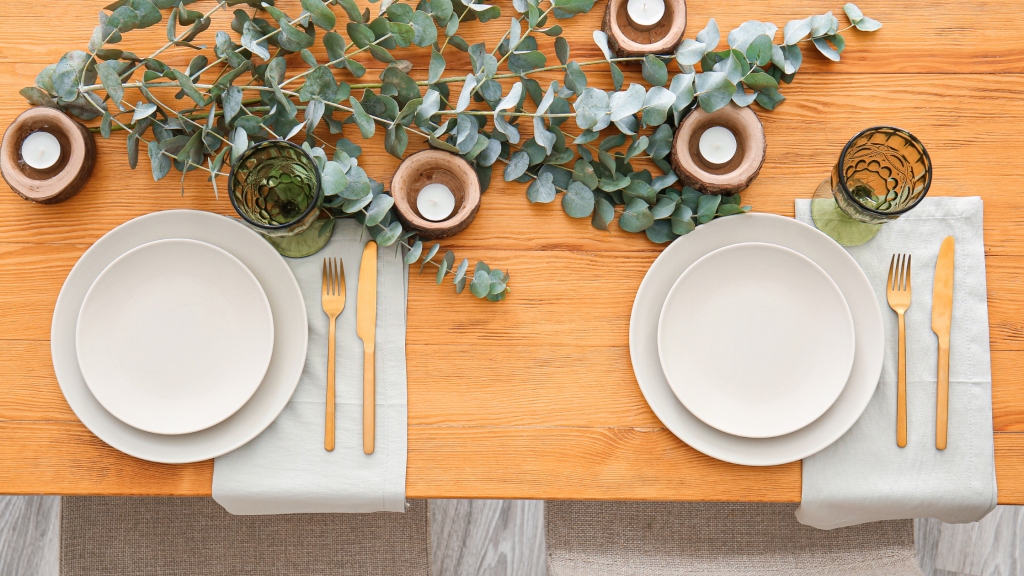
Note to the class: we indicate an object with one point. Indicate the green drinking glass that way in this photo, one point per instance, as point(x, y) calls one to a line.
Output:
point(882, 173)
point(275, 187)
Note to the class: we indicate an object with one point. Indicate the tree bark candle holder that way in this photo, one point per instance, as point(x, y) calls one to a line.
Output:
point(626, 40)
point(67, 175)
point(429, 167)
point(736, 174)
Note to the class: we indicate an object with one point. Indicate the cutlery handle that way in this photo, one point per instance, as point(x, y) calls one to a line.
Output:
point(369, 402)
point(942, 406)
point(329, 425)
point(901, 390)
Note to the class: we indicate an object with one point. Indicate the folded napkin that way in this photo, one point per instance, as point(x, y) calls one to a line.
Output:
point(864, 476)
point(285, 469)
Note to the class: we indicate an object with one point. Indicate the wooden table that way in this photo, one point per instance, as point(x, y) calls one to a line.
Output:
point(535, 397)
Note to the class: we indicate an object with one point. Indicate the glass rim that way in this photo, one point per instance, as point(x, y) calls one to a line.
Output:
point(309, 209)
point(849, 195)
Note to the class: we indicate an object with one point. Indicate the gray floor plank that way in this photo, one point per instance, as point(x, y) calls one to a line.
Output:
point(488, 537)
point(506, 538)
point(29, 535)
point(993, 546)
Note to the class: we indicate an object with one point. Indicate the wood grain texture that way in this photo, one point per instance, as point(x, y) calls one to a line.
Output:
point(993, 546)
point(29, 535)
point(535, 397)
point(487, 537)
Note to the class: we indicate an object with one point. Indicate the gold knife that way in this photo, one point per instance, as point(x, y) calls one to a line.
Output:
point(942, 314)
point(366, 328)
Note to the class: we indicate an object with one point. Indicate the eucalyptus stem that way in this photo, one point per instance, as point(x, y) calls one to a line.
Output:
point(399, 105)
point(177, 38)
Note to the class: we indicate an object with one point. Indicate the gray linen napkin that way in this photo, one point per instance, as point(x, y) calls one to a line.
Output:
point(864, 476)
point(285, 469)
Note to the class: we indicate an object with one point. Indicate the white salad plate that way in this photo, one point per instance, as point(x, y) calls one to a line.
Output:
point(823, 251)
point(756, 340)
point(174, 336)
point(282, 374)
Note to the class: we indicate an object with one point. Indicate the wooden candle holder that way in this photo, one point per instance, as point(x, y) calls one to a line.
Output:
point(67, 176)
point(627, 41)
point(694, 171)
point(428, 167)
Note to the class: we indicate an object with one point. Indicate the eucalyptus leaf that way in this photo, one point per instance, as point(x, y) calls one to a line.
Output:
point(583, 172)
point(414, 253)
point(827, 51)
point(541, 189)
point(562, 50)
point(853, 13)
point(604, 213)
point(111, 82)
point(660, 142)
point(654, 70)
point(657, 104)
point(578, 200)
point(333, 179)
point(742, 98)
point(362, 119)
point(437, 65)
point(517, 166)
point(706, 207)
point(622, 104)
point(710, 36)
point(481, 284)
point(467, 91)
point(377, 209)
point(690, 52)
point(320, 14)
point(430, 254)
point(796, 30)
point(591, 107)
point(636, 217)
point(617, 76)
point(601, 39)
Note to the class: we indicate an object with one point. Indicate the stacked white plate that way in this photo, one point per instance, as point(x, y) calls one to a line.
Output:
point(179, 336)
point(756, 339)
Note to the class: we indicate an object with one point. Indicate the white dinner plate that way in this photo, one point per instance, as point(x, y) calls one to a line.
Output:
point(756, 340)
point(286, 362)
point(174, 336)
point(834, 260)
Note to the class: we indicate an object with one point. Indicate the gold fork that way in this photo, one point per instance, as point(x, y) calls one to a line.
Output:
point(333, 299)
point(897, 291)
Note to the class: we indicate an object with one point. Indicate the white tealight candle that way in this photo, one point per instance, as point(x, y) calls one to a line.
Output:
point(40, 150)
point(717, 145)
point(435, 202)
point(645, 14)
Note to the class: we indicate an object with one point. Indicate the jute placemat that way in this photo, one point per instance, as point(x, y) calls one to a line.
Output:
point(717, 539)
point(125, 536)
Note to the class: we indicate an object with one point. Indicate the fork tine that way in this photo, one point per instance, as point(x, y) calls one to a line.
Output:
point(337, 276)
point(902, 271)
point(888, 282)
point(899, 272)
point(334, 276)
point(908, 273)
point(324, 289)
point(341, 276)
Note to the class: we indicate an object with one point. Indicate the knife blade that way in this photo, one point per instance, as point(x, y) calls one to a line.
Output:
point(366, 329)
point(942, 316)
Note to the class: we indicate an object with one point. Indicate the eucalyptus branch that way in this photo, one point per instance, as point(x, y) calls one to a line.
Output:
point(601, 183)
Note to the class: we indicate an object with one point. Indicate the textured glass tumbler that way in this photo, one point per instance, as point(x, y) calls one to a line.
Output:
point(275, 188)
point(882, 173)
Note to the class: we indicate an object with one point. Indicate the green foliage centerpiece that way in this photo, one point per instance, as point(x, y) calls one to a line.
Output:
point(256, 97)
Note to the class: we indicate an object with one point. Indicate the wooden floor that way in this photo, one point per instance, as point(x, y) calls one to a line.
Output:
point(506, 538)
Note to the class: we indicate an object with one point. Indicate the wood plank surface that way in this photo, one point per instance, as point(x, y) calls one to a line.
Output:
point(535, 397)
point(487, 537)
